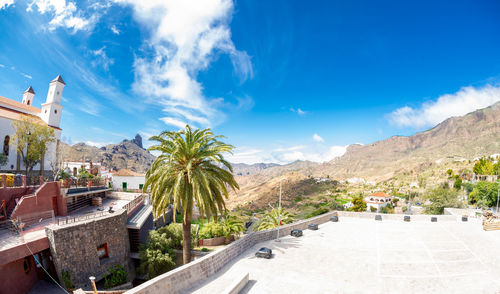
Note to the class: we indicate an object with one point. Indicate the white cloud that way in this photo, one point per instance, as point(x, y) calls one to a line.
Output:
point(5, 3)
point(318, 138)
point(2, 66)
point(90, 106)
point(101, 58)
point(185, 36)
point(298, 111)
point(27, 76)
point(115, 30)
point(174, 122)
point(285, 155)
point(66, 14)
point(430, 113)
point(97, 144)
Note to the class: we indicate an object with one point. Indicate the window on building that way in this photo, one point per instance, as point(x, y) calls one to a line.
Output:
point(6, 145)
point(140, 186)
point(102, 251)
point(28, 102)
point(124, 186)
point(27, 265)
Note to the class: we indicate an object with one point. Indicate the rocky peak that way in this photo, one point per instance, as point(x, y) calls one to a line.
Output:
point(138, 140)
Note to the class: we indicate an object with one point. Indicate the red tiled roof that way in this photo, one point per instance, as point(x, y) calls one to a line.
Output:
point(380, 194)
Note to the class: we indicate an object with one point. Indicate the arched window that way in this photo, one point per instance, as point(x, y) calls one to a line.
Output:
point(6, 145)
point(28, 102)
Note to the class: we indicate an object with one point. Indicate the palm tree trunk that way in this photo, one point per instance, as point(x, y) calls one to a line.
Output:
point(186, 237)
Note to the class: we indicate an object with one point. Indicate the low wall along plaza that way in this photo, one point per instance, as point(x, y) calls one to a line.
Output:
point(185, 276)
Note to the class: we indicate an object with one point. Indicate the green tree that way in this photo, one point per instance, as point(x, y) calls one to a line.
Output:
point(358, 204)
point(484, 167)
point(189, 171)
point(157, 255)
point(270, 220)
point(458, 183)
point(32, 140)
point(484, 194)
point(440, 198)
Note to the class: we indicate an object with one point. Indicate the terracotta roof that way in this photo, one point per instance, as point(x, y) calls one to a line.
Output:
point(380, 194)
point(11, 103)
point(58, 79)
point(127, 173)
point(18, 115)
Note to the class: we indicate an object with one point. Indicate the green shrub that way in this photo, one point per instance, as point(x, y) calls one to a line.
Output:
point(317, 212)
point(373, 209)
point(117, 276)
point(204, 249)
point(212, 230)
point(67, 281)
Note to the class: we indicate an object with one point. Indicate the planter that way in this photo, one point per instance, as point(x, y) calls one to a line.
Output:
point(229, 239)
point(212, 242)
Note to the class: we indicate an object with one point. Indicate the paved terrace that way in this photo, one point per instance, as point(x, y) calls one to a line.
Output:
point(37, 238)
point(359, 255)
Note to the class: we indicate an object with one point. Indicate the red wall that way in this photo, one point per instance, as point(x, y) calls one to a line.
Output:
point(7, 193)
point(41, 200)
point(14, 280)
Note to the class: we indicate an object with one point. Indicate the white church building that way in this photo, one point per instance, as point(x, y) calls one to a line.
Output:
point(49, 114)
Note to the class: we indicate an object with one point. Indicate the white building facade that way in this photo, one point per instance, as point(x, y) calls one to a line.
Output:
point(49, 115)
point(127, 180)
point(377, 200)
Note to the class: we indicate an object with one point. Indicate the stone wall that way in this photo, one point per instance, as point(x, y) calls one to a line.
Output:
point(74, 247)
point(185, 276)
point(398, 217)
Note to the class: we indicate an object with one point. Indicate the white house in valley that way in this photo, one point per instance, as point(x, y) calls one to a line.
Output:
point(377, 200)
point(49, 114)
point(127, 180)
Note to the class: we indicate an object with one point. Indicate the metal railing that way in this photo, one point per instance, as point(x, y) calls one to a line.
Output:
point(35, 219)
point(134, 203)
point(83, 182)
point(80, 218)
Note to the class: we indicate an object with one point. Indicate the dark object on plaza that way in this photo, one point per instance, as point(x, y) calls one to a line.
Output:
point(313, 227)
point(264, 252)
point(378, 217)
point(334, 219)
point(434, 219)
point(406, 218)
point(296, 233)
point(464, 218)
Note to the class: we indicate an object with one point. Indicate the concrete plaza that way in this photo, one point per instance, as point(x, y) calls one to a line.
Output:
point(366, 256)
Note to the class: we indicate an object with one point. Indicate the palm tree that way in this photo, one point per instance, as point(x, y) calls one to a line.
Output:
point(270, 220)
point(190, 171)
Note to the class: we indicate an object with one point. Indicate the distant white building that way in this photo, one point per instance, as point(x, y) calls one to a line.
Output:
point(356, 180)
point(348, 205)
point(49, 115)
point(377, 200)
point(127, 180)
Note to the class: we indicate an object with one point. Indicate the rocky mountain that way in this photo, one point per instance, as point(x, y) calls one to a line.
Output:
point(128, 154)
point(466, 137)
point(457, 139)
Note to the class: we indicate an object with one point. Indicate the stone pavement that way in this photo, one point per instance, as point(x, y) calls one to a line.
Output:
point(365, 256)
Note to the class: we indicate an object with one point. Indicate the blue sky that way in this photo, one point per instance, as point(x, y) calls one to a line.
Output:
point(283, 80)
